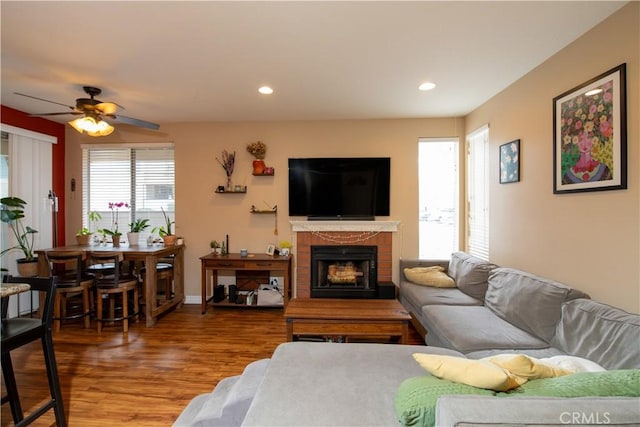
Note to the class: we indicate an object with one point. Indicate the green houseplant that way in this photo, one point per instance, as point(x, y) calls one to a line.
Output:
point(83, 236)
point(135, 228)
point(12, 213)
point(165, 230)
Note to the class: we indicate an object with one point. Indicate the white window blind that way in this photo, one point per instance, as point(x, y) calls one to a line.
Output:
point(478, 192)
point(143, 177)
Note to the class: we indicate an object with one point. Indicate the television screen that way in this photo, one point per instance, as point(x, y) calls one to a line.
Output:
point(339, 188)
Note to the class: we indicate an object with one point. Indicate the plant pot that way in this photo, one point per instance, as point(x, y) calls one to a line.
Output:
point(116, 241)
point(169, 240)
point(258, 167)
point(132, 238)
point(27, 267)
point(84, 239)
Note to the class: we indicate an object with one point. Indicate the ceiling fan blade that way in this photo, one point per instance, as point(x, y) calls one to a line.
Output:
point(55, 114)
point(134, 122)
point(45, 100)
point(107, 108)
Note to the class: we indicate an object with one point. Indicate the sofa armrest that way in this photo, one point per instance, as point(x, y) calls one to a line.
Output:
point(553, 411)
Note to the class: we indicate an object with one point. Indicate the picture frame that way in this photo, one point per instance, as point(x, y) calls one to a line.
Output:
point(271, 249)
point(510, 162)
point(590, 135)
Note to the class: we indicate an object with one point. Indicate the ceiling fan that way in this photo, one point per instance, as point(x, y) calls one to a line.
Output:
point(93, 111)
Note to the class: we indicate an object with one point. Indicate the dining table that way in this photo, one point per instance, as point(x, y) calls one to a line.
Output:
point(150, 255)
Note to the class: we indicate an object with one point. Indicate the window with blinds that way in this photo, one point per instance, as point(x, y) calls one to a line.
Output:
point(143, 177)
point(478, 192)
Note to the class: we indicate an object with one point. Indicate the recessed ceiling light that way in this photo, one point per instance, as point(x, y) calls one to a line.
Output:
point(265, 90)
point(426, 86)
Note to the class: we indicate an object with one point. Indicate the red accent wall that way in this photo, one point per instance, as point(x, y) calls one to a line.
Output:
point(20, 119)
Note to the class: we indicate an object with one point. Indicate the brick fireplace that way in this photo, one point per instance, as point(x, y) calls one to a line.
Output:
point(324, 233)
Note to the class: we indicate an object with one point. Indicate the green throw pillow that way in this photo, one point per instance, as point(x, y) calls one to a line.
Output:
point(415, 401)
point(621, 382)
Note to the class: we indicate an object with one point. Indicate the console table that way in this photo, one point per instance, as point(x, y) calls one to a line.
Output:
point(211, 264)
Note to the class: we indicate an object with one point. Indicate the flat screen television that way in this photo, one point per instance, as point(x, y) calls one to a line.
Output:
point(339, 188)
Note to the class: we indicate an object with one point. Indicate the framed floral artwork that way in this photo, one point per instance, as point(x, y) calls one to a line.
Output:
point(510, 162)
point(590, 135)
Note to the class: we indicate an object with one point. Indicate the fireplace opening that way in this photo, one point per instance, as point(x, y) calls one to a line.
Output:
point(344, 271)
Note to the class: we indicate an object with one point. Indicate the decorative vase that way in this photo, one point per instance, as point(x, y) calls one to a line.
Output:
point(116, 241)
point(83, 240)
point(132, 238)
point(258, 167)
point(27, 267)
point(169, 240)
point(229, 183)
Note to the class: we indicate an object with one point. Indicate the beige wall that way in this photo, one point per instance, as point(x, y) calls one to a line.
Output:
point(202, 215)
point(588, 240)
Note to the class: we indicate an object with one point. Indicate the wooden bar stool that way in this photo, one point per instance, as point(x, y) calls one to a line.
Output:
point(112, 286)
point(19, 331)
point(68, 268)
point(164, 274)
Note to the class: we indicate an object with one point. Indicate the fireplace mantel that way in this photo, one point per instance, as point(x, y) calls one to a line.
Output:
point(311, 226)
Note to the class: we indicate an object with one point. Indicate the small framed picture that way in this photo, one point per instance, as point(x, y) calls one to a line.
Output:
point(271, 249)
point(510, 162)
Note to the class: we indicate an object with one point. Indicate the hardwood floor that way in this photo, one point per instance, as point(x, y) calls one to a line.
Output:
point(147, 377)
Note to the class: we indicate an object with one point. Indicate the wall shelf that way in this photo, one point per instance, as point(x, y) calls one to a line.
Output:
point(265, 211)
point(264, 174)
point(232, 191)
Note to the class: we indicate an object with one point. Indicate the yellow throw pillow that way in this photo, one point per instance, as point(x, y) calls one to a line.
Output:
point(429, 276)
point(526, 367)
point(476, 373)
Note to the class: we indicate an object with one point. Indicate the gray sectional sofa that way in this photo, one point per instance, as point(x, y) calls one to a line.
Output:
point(492, 310)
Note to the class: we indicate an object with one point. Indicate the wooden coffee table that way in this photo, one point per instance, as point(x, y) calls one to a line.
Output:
point(348, 318)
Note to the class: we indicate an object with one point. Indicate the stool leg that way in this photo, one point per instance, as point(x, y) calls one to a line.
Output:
point(12, 388)
point(99, 311)
point(125, 310)
point(86, 309)
point(56, 312)
point(54, 382)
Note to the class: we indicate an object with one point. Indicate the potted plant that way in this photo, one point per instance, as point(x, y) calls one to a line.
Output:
point(258, 150)
point(115, 235)
point(83, 236)
point(134, 230)
point(165, 231)
point(215, 247)
point(285, 247)
point(12, 213)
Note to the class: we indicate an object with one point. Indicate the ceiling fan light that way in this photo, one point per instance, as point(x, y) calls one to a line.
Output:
point(91, 126)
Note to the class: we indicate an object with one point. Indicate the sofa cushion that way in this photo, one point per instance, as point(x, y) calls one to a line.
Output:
point(473, 328)
point(606, 335)
point(476, 373)
point(426, 295)
point(330, 384)
point(416, 398)
point(527, 301)
point(470, 273)
point(429, 276)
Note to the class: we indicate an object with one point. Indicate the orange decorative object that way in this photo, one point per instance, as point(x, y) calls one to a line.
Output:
point(258, 167)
